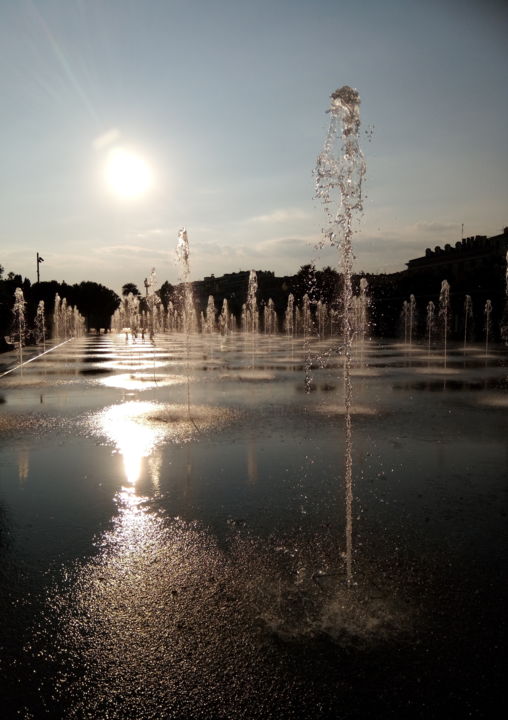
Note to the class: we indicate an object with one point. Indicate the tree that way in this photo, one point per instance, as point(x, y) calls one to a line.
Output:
point(96, 302)
point(165, 292)
point(130, 288)
point(329, 283)
point(305, 282)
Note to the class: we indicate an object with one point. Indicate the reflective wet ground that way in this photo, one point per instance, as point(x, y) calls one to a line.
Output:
point(172, 531)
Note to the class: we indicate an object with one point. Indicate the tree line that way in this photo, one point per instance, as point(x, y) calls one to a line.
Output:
point(387, 293)
point(94, 301)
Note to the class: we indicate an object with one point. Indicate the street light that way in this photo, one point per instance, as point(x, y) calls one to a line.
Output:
point(39, 260)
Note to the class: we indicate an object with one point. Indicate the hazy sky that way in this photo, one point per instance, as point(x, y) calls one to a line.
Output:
point(226, 100)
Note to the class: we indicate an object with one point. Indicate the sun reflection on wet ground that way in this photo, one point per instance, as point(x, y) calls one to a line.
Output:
point(137, 427)
point(134, 439)
point(140, 381)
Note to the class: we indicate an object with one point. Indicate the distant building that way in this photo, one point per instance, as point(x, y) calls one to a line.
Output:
point(465, 259)
point(475, 266)
point(231, 287)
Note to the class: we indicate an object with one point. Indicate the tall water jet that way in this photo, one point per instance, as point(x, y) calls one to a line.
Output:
point(78, 322)
point(224, 319)
point(182, 251)
point(504, 319)
point(270, 318)
point(405, 319)
point(159, 315)
point(151, 302)
point(409, 318)
point(412, 317)
point(298, 321)
point(133, 308)
point(468, 316)
point(171, 317)
point(362, 316)
point(306, 321)
point(40, 325)
point(321, 317)
point(444, 314)
point(19, 322)
point(289, 316)
point(210, 325)
point(56, 317)
point(306, 317)
point(488, 313)
point(431, 310)
point(339, 173)
point(251, 306)
point(64, 318)
point(250, 314)
point(188, 311)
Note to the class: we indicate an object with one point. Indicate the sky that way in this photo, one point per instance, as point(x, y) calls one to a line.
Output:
point(225, 102)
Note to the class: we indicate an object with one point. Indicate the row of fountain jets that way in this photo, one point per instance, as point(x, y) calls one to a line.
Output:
point(303, 320)
point(409, 315)
point(307, 320)
point(67, 322)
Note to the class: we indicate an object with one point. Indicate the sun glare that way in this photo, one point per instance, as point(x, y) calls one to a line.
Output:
point(128, 175)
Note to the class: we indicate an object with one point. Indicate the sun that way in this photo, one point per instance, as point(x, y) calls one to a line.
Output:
point(128, 175)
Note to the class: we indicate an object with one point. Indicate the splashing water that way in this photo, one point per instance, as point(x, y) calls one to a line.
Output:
point(431, 310)
point(364, 286)
point(56, 316)
point(362, 317)
point(339, 173)
point(189, 322)
point(64, 318)
point(270, 318)
point(468, 315)
point(412, 317)
point(444, 314)
point(289, 317)
point(183, 255)
point(210, 324)
point(507, 273)
point(40, 325)
point(409, 317)
point(504, 320)
point(488, 313)
point(321, 318)
point(226, 319)
point(307, 330)
point(340, 167)
point(306, 317)
point(19, 322)
point(133, 309)
point(151, 302)
point(405, 315)
point(251, 306)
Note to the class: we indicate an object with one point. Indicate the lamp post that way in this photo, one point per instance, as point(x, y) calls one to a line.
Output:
point(39, 260)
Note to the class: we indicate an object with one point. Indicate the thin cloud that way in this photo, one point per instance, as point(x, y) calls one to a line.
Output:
point(216, 249)
point(280, 215)
point(287, 246)
point(436, 227)
point(376, 244)
point(152, 232)
point(129, 251)
point(106, 139)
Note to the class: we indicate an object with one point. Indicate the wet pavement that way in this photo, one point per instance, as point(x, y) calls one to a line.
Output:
point(172, 531)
